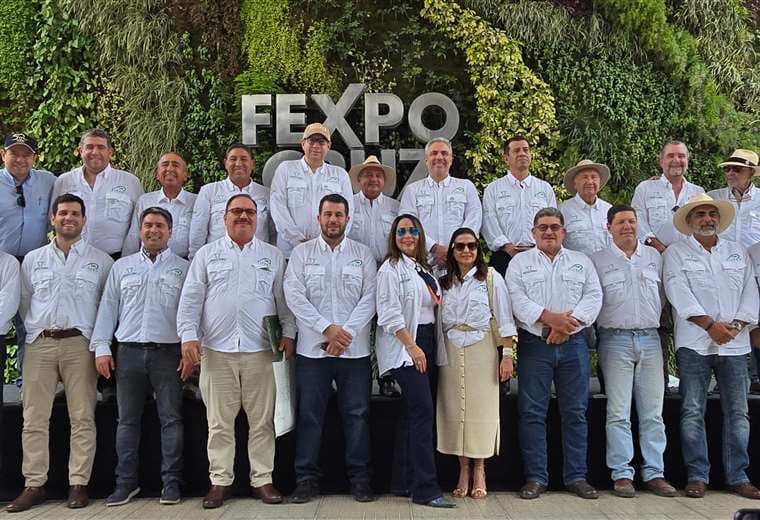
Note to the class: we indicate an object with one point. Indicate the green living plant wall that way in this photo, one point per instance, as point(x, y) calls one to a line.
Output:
point(17, 28)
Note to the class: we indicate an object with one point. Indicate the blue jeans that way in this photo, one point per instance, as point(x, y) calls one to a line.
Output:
point(136, 369)
point(731, 373)
point(568, 365)
point(353, 378)
point(632, 364)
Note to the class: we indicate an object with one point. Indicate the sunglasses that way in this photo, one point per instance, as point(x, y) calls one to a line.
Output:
point(239, 211)
point(543, 227)
point(461, 246)
point(402, 231)
point(21, 201)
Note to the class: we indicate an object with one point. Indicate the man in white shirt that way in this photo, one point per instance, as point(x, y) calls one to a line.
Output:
point(298, 186)
point(630, 354)
point(61, 285)
point(710, 282)
point(109, 194)
point(744, 196)
point(233, 287)
point(442, 203)
point(171, 173)
point(330, 288)
point(10, 293)
point(586, 214)
point(511, 202)
point(555, 294)
point(208, 215)
point(141, 296)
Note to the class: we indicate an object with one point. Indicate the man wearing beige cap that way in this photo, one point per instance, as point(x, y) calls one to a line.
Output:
point(586, 214)
point(299, 185)
point(710, 282)
point(743, 195)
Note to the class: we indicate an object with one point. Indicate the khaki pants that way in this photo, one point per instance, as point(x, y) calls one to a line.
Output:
point(228, 381)
point(46, 362)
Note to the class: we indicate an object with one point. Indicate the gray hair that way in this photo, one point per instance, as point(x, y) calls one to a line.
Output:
point(96, 132)
point(438, 140)
point(674, 143)
point(549, 212)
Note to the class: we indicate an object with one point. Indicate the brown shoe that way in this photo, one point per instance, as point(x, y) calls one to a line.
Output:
point(583, 489)
point(661, 487)
point(216, 496)
point(267, 493)
point(31, 496)
point(746, 490)
point(624, 488)
point(695, 489)
point(531, 490)
point(78, 497)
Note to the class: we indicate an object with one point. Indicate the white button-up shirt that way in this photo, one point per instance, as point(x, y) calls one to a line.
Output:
point(227, 294)
point(633, 293)
point(754, 256)
point(142, 297)
point(296, 192)
point(208, 215)
point(62, 292)
point(654, 202)
point(181, 210)
point(719, 284)
point(401, 294)
point(745, 228)
point(467, 303)
point(24, 229)
point(586, 225)
point(108, 205)
point(325, 286)
point(10, 291)
point(568, 283)
point(509, 206)
point(443, 207)
point(371, 222)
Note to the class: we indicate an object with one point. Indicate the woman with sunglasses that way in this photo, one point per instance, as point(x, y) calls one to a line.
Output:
point(468, 388)
point(407, 296)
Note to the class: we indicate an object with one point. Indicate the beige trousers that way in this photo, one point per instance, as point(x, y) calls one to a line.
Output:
point(46, 362)
point(228, 381)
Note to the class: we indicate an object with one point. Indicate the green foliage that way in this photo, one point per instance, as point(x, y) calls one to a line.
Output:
point(17, 28)
point(10, 374)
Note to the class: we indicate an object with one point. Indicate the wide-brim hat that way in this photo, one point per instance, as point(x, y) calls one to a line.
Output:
point(724, 207)
point(585, 164)
point(373, 162)
point(743, 158)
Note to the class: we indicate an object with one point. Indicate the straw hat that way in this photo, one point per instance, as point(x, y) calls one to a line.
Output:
point(373, 162)
point(724, 207)
point(743, 158)
point(585, 164)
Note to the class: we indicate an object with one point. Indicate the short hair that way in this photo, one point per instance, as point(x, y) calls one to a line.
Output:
point(674, 142)
point(335, 198)
point(514, 139)
point(549, 212)
point(67, 197)
point(618, 208)
point(237, 196)
point(238, 146)
point(96, 132)
point(156, 210)
point(439, 140)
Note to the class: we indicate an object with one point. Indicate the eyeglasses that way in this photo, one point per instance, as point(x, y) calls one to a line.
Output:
point(239, 211)
point(21, 201)
point(543, 227)
point(402, 231)
point(317, 140)
point(461, 246)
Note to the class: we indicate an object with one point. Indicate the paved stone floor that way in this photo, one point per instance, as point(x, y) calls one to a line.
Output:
point(645, 506)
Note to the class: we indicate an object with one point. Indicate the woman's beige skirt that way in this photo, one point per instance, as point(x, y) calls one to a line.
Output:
point(467, 412)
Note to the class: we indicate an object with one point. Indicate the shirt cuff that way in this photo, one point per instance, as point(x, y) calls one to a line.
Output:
point(350, 331)
point(189, 335)
point(690, 312)
point(507, 331)
point(102, 349)
point(322, 325)
point(394, 327)
point(499, 242)
point(533, 314)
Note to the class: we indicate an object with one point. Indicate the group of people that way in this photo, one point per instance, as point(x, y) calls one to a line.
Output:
point(148, 288)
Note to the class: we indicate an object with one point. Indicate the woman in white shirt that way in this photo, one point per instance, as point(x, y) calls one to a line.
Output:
point(407, 295)
point(468, 388)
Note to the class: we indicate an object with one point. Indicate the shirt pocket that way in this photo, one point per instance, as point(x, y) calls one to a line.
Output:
point(657, 211)
point(613, 284)
point(264, 281)
point(386, 224)
point(424, 205)
point(130, 288)
point(572, 284)
point(328, 186)
point(86, 283)
point(455, 206)
point(479, 307)
point(118, 206)
point(296, 192)
point(696, 276)
point(42, 282)
point(734, 273)
point(351, 281)
point(216, 219)
point(314, 279)
point(170, 287)
point(219, 274)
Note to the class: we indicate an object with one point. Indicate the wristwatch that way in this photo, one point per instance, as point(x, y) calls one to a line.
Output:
point(738, 325)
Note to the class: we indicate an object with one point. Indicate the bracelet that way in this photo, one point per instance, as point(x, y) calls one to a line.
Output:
point(508, 352)
point(712, 322)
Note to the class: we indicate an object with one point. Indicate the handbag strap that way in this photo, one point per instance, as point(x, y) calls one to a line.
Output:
point(489, 285)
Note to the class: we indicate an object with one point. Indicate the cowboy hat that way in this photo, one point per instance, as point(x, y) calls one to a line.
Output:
point(743, 158)
point(724, 207)
point(373, 162)
point(585, 164)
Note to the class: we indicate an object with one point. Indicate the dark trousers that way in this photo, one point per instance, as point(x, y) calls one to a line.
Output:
point(3, 358)
point(314, 379)
point(414, 451)
point(499, 261)
point(136, 368)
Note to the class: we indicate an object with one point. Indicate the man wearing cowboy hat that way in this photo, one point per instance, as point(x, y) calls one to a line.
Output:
point(299, 185)
point(586, 214)
point(710, 282)
point(741, 192)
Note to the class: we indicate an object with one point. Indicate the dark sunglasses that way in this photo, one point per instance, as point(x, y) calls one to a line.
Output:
point(461, 246)
point(402, 231)
point(543, 227)
point(21, 201)
point(239, 211)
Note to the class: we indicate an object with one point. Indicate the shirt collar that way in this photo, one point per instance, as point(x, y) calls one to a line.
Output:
point(364, 200)
point(181, 196)
point(106, 173)
point(9, 179)
point(619, 252)
point(747, 195)
point(585, 204)
point(160, 257)
point(78, 246)
point(445, 182)
point(556, 257)
point(233, 187)
point(470, 273)
point(324, 246)
point(231, 244)
point(307, 169)
point(696, 245)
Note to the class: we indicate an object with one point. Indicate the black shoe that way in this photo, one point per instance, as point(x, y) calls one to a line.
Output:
point(363, 493)
point(305, 491)
point(531, 490)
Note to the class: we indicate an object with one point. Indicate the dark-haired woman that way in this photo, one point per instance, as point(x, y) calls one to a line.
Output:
point(468, 386)
point(407, 295)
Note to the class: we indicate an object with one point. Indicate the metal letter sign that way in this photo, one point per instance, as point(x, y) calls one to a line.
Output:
point(285, 118)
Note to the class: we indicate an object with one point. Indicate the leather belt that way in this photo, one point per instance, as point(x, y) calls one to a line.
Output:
point(61, 333)
point(148, 346)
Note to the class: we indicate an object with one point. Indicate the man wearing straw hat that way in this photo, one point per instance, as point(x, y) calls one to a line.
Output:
point(743, 195)
point(710, 282)
point(586, 214)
